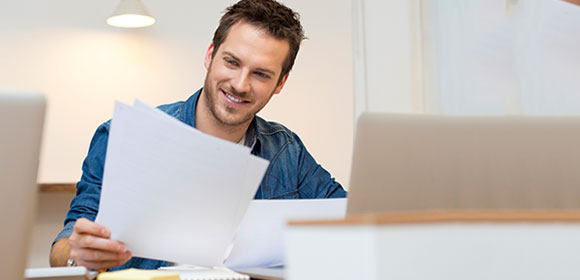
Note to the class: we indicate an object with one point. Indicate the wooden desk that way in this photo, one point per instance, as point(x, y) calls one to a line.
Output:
point(572, 215)
point(57, 187)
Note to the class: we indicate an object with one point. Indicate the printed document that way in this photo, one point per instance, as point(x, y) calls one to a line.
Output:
point(171, 192)
point(260, 242)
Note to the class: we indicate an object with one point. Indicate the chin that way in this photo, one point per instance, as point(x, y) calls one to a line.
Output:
point(230, 119)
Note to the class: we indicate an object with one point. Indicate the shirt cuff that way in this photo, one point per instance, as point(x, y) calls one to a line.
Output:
point(65, 232)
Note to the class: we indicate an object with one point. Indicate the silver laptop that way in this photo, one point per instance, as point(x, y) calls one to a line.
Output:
point(427, 162)
point(21, 122)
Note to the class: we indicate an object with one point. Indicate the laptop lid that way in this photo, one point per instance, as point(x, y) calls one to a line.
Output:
point(21, 122)
point(425, 162)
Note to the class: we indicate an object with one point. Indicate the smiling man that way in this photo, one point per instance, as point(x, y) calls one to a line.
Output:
point(244, 72)
point(249, 60)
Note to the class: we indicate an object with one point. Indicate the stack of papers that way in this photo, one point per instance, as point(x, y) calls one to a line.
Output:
point(259, 241)
point(173, 193)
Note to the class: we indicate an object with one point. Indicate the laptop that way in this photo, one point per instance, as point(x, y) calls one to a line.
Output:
point(21, 122)
point(404, 162)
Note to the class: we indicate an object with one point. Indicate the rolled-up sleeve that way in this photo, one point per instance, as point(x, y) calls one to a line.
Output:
point(86, 202)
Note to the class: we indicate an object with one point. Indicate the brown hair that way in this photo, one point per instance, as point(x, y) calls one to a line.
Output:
point(276, 19)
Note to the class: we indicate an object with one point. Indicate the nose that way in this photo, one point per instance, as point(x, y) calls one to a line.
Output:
point(241, 82)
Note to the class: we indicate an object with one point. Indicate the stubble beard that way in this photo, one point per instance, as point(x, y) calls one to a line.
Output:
point(224, 117)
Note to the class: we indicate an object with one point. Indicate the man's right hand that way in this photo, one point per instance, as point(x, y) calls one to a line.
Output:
point(91, 246)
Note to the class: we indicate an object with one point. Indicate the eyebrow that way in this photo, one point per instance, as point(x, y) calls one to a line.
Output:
point(258, 69)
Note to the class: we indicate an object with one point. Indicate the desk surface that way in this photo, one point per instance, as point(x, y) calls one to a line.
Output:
point(57, 187)
point(441, 216)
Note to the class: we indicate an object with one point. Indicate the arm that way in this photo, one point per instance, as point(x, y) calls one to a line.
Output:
point(89, 246)
point(60, 252)
point(81, 239)
point(314, 180)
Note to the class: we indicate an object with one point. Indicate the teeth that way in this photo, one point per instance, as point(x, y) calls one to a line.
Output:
point(233, 98)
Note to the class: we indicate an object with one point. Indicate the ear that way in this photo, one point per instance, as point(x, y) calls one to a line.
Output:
point(281, 84)
point(208, 57)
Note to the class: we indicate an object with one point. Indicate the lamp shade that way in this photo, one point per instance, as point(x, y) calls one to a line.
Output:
point(130, 14)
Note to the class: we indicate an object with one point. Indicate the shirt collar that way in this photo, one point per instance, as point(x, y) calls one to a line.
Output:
point(188, 116)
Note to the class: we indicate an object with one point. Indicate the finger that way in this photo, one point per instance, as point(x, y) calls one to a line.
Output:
point(100, 266)
point(84, 225)
point(93, 242)
point(91, 255)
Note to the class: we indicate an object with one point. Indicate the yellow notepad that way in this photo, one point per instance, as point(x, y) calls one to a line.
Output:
point(138, 274)
point(201, 273)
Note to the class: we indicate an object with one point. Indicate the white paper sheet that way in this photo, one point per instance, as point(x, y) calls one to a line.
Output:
point(171, 193)
point(259, 241)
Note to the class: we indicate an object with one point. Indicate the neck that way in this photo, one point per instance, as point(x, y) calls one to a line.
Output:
point(207, 123)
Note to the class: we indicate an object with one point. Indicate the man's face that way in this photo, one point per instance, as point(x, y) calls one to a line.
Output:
point(243, 75)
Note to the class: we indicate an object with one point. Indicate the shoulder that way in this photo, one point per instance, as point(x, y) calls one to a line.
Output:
point(276, 140)
point(102, 132)
point(172, 109)
point(274, 129)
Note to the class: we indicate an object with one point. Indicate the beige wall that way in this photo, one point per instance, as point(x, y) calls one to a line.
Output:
point(64, 49)
point(52, 208)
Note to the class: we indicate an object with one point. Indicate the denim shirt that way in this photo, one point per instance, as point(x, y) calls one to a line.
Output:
point(293, 173)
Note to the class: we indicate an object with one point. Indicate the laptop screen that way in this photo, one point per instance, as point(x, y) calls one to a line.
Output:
point(21, 122)
point(416, 162)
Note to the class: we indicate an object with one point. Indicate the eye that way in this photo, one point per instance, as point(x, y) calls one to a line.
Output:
point(231, 62)
point(262, 75)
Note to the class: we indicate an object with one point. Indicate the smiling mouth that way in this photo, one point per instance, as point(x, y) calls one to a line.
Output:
point(233, 98)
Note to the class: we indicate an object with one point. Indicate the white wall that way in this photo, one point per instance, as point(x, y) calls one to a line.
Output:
point(501, 57)
point(64, 49)
point(387, 56)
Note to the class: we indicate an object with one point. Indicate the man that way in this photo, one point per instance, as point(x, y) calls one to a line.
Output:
point(252, 53)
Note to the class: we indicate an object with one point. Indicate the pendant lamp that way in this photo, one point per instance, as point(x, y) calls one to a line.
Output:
point(130, 14)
